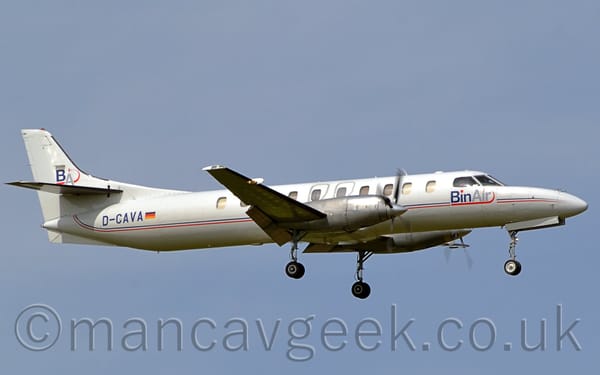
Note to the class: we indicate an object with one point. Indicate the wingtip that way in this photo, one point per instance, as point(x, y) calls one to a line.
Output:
point(213, 167)
point(28, 131)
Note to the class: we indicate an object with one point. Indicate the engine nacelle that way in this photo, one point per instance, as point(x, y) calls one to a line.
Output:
point(407, 242)
point(351, 213)
point(395, 243)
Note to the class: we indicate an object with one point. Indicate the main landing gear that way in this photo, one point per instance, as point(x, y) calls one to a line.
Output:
point(295, 269)
point(360, 289)
point(512, 266)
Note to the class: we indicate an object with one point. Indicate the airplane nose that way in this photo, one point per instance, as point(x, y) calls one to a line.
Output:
point(572, 205)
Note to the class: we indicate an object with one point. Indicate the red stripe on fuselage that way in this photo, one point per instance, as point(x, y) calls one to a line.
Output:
point(158, 226)
point(527, 200)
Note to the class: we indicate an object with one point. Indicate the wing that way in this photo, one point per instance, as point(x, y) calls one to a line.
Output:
point(270, 209)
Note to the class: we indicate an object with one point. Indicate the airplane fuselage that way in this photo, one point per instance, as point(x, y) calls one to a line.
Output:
point(174, 220)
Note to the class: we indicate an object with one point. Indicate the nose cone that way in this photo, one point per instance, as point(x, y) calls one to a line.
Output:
point(571, 205)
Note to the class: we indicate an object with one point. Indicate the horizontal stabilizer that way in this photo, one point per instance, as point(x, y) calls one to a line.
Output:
point(65, 189)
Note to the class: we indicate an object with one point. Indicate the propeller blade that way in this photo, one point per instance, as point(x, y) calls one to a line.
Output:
point(455, 245)
point(400, 173)
point(469, 260)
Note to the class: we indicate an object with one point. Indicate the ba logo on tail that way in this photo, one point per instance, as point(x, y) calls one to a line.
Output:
point(67, 176)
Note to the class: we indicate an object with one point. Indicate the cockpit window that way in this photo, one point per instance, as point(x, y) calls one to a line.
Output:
point(465, 182)
point(487, 180)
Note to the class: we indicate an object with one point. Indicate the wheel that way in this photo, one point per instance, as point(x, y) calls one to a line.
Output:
point(518, 270)
point(294, 270)
point(361, 290)
point(512, 267)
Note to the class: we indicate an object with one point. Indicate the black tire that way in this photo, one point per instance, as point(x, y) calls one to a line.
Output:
point(295, 270)
point(367, 291)
point(518, 270)
point(512, 267)
point(361, 290)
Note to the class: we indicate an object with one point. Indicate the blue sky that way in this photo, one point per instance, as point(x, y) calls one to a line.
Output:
point(150, 92)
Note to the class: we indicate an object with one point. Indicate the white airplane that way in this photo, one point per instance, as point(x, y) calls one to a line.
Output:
point(384, 215)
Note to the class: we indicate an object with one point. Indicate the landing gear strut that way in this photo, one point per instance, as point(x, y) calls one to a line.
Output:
point(512, 266)
point(295, 269)
point(360, 289)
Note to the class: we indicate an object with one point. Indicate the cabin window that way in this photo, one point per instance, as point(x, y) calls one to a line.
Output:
point(341, 192)
point(315, 195)
point(406, 188)
point(464, 182)
point(293, 195)
point(364, 190)
point(430, 187)
point(388, 190)
point(221, 203)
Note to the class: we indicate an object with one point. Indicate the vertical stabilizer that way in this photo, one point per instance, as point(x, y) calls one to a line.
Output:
point(50, 164)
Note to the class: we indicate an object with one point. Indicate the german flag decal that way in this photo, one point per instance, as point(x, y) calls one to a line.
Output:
point(150, 215)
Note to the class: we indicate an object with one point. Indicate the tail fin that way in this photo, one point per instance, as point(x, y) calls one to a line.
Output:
point(50, 165)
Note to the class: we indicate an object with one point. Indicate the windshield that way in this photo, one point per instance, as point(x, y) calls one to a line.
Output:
point(465, 181)
point(487, 180)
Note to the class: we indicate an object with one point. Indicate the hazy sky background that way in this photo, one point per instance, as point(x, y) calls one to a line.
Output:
point(150, 92)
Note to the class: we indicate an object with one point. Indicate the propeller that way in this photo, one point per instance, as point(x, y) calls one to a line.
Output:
point(393, 202)
point(455, 245)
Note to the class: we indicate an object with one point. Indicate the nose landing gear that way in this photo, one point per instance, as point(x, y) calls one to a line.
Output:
point(512, 266)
